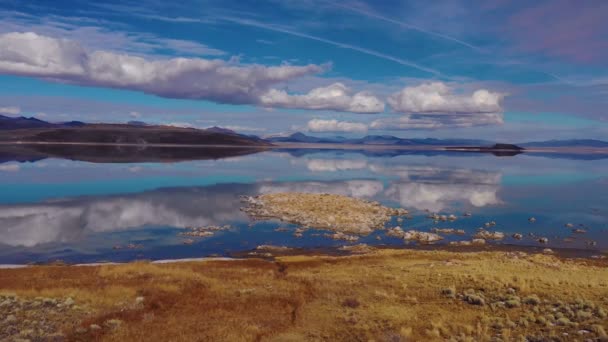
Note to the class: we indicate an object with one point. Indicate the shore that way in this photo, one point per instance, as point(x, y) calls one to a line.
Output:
point(376, 295)
point(323, 146)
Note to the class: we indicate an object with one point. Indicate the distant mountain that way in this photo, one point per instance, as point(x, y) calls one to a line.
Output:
point(35, 130)
point(378, 140)
point(7, 122)
point(216, 129)
point(390, 140)
point(567, 143)
point(137, 123)
point(302, 138)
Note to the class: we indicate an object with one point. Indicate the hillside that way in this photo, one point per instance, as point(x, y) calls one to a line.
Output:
point(378, 140)
point(34, 130)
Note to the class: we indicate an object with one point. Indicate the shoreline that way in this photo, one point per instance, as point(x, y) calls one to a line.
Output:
point(339, 251)
point(322, 146)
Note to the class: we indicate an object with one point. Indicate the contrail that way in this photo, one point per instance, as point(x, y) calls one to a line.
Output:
point(330, 42)
point(406, 25)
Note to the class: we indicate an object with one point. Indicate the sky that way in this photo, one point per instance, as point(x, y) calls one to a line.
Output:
point(497, 69)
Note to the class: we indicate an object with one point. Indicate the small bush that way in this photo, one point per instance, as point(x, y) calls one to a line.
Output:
point(449, 292)
point(352, 303)
point(532, 300)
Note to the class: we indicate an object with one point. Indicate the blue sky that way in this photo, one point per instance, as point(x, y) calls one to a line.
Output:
point(509, 70)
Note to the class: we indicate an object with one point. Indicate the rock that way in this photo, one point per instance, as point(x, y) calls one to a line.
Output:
point(94, 327)
point(322, 211)
point(543, 240)
point(358, 249)
point(548, 251)
point(448, 231)
point(579, 231)
point(484, 234)
point(478, 242)
point(273, 248)
point(10, 319)
point(517, 236)
point(460, 243)
point(342, 236)
point(395, 232)
point(188, 242)
point(422, 237)
point(532, 219)
point(68, 302)
point(569, 225)
point(467, 214)
point(139, 300)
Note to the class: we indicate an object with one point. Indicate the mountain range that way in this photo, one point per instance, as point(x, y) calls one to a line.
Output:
point(36, 130)
point(395, 141)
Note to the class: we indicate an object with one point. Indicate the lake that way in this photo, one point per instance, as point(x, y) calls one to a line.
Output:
point(77, 211)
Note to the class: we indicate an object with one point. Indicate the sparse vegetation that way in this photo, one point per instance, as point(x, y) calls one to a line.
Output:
point(381, 295)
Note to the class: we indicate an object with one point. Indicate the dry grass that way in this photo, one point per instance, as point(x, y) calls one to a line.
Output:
point(386, 295)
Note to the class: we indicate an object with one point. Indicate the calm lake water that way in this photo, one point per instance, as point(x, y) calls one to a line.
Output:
point(76, 211)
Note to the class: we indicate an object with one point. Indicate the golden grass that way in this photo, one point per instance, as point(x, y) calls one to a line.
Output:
point(384, 295)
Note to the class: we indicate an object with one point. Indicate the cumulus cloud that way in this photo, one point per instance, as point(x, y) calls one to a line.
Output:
point(355, 188)
point(436, 189)
point(9, 167)
point(10, 110)
point(30, 54)
point(319, 125)
point(438, 98)
point(438, 197)
point(336, 96)
point(412, 122)
point(333, 165)
point(70, 220)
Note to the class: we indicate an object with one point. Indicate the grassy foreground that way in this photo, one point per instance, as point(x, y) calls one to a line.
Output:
point(385, 295)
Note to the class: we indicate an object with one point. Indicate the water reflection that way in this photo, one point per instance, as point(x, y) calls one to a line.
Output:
point(80, 214)
point(68, 220)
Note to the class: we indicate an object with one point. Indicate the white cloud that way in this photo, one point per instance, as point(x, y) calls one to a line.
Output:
point(180, 124)
point(412, 122)
point(435, 189)
point(95, 33)
point(333, 165)
point(30, 54)
point(336, 97)
point(9, 167)
point(135, 115)
point(319, 125)
point(10, 110)
point(438, 197)
point(438, 98)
